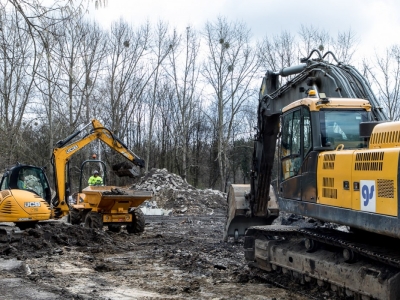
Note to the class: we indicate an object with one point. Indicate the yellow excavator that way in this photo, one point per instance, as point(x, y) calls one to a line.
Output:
point(25, 194)
point(323, 150)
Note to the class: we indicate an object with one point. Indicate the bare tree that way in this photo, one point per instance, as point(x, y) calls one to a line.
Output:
point(384, 74)
point(343, 46)
point(16, 81)
point(161, 46)
point(126, 72)
point(70, 37)
point(312, 38)
point(47, 80)
point(184, 73)
point(92, 53)
point(229, 68)
point(278, 51)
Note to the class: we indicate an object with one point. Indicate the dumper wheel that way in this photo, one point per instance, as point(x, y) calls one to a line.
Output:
point(138, 223)
point(114, 228)
point(94, 220)
point(75, 217)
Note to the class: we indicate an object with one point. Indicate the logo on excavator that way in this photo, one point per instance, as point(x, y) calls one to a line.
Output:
point(72, 149)
point(368, 195)
point(32, 204)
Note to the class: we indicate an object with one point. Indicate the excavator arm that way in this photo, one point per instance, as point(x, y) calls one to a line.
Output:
point(65, 149)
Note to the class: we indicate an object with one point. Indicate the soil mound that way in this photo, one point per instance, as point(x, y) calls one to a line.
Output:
point(50, 238)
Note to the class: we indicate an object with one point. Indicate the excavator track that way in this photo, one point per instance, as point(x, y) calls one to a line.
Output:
point(388, 254)
point(348, 262)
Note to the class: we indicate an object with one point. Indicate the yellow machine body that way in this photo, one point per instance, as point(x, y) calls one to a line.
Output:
point(360, 180)
point(22, 206)
point(114, 208)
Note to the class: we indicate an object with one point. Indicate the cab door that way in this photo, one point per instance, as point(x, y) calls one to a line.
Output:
point(295, 145)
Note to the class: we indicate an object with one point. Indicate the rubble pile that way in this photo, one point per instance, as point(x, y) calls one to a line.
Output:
point(173, 193)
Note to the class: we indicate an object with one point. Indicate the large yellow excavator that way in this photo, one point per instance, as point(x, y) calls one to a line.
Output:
point(337, 162)
point(25, 194)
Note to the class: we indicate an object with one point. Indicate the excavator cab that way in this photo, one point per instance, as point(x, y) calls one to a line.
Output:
point(27, 178)
point(24, 196)
point(305, 133)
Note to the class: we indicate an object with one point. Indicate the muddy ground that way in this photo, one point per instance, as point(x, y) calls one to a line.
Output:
point(177, 257)
point(181, 256)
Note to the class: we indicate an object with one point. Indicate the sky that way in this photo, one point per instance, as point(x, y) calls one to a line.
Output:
point(375, 23)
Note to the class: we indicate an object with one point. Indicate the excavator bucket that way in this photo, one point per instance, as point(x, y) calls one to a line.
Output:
point(239, 217)
point(125, 169)
point(8, 234)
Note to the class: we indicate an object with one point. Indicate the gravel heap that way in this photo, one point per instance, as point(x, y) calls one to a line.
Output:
point(171, 192)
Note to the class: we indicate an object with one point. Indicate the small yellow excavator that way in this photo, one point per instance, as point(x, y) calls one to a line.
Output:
point(25, 194)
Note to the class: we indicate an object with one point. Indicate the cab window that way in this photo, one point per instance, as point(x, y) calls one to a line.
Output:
point(342, 127)
point(295, 141)
point(5, 182)
point(34, 182)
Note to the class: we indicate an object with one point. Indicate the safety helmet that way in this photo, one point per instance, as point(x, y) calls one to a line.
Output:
point(95, 172)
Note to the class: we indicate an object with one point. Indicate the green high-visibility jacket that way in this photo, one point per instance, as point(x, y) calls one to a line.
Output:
point(95, 180)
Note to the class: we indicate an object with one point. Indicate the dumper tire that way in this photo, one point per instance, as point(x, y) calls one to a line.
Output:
point(94, 220)
point(75, 216)
point(138, 222)
point(114, 228)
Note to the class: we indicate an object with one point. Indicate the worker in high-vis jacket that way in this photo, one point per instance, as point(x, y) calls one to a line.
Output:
point(95, 179)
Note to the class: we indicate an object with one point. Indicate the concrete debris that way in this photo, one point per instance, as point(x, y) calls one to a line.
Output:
point(149, 211)
point(173, 194)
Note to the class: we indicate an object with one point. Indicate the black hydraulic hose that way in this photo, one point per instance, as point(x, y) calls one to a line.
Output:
point(137, 161)
point(63, 142)
point(311, 53)
point(380, 115)
point(333, 55)
point(343, 82)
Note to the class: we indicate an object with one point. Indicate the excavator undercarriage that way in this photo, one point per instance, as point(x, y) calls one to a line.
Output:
point(345, 262)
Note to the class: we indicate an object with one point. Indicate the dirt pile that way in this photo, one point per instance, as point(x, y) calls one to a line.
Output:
point(174, 193)
point(54, 238)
